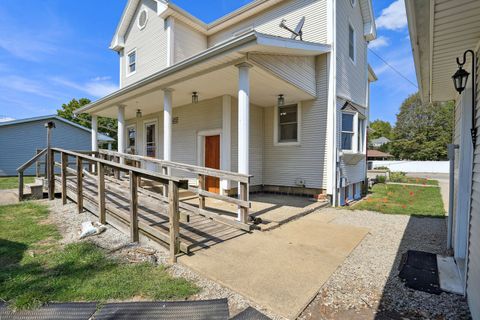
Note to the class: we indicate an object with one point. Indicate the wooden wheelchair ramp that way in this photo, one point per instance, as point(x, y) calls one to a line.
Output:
point(153, 221)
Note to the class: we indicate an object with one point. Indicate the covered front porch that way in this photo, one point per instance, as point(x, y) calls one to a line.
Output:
point(241, 106)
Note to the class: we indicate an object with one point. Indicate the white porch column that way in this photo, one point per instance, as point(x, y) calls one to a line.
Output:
point(94, 133)
point(226, 147)
point(243, 132)
point(121, 131)
point(167, 124)
point(243, 116)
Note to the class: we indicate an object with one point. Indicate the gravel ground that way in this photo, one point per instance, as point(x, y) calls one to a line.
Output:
point(366, 285)
point(118, 245)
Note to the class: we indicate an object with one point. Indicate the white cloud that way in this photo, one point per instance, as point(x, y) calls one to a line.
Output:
point(5, 119)
point(26, 85)
point(380, 42)
point(97, 87)
point(393, 17)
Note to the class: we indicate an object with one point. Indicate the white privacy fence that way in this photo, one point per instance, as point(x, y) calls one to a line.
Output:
point(412, 166)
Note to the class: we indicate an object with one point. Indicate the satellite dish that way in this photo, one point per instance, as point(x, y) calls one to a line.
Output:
point(297, 32)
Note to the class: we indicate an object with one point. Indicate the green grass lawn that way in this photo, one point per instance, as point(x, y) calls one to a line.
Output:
point(36, 269)
point(403, 199)
point(12, 182)
point(421, 181)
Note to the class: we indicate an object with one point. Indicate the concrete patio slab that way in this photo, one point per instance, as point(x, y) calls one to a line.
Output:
point(282, 269)
point(273, 209)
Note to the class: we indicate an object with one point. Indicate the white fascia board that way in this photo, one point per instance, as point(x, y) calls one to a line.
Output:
point(279, 42)
point(369, 27)
point(412, 27)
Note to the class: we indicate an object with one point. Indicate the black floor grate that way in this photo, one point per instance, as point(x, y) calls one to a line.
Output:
point(419, 271)
point(192, 310)
point(54, 311)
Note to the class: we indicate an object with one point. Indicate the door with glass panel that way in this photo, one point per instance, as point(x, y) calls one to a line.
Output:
point(150, 131)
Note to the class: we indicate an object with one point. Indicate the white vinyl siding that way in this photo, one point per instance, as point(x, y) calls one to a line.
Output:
point(150, 43)
point(315, 29)
point(256, 157)
point(283, 165)
point(297, 70)
point(351, 77)
point(187, 41)
point(473, 284)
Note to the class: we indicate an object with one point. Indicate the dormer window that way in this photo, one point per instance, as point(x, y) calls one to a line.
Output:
point(132, 62)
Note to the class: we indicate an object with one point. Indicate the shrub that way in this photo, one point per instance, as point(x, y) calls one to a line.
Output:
point(381, 179)
point(398, 177)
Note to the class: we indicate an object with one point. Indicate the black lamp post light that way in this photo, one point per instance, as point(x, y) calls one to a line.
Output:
point(460, 79)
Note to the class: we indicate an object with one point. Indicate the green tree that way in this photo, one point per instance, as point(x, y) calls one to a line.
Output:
point(422, 131)
point(107, 126)
point(380, 129)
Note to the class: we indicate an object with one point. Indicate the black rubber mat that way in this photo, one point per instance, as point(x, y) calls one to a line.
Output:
point(54, 311)
point(250, 314)
point(419, 271)
point(191, 310)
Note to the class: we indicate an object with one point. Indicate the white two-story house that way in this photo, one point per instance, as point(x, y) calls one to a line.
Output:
point(243, 94)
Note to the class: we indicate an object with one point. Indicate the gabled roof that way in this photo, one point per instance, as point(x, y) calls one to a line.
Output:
point(101, 137)
point(166, 9)
point(380, 140)
point(378, 154)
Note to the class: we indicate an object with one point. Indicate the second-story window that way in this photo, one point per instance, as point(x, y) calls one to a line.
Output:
point(351, 43)
point(132, 62)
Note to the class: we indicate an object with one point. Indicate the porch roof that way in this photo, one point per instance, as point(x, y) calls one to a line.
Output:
point(211, 73)
point(440, 31)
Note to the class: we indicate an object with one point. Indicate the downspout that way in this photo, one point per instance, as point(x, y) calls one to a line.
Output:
point(332, 105)
point(451, 157)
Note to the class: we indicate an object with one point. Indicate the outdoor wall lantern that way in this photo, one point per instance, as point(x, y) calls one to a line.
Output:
point(195, 97)
point(460, 82)
point(281, 100)
point(139, 113)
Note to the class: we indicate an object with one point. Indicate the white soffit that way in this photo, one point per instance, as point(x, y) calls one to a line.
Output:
point(453, 27)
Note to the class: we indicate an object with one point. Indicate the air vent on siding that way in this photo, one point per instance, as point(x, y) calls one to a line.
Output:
point(142, 19)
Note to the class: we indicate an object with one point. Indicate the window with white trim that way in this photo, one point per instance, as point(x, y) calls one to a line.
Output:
point(132, 62)
point(347, 131)
point(361, 134)
point(288, 123)
point(351, 43)
point(353, 132)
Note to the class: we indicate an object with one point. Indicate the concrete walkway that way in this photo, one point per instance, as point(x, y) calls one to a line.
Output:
point(283, 269)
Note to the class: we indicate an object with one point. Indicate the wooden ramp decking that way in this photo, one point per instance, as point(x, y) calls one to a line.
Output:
point(197, 233)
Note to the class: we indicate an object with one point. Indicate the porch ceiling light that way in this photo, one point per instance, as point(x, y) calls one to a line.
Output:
point(139, 113)
point(195, 97)
point(460, 82)
point(281, 100)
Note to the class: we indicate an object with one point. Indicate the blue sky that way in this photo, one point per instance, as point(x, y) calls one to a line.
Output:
point(58, 50)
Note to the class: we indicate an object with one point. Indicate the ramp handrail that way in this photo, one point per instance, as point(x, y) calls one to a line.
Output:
point(201, 173)
point(24, 167)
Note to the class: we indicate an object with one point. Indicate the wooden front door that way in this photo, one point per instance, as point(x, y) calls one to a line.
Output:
point(212, 160)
